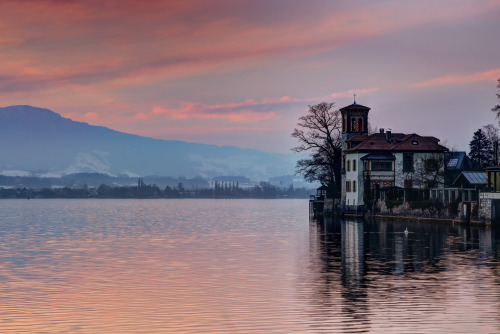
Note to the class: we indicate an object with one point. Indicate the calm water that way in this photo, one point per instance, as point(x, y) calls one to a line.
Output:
point(238, 266)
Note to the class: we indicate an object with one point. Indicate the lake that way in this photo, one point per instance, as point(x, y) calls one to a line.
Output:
point(238, 266)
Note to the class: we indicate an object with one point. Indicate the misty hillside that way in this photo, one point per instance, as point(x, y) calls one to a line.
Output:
point(39, 140)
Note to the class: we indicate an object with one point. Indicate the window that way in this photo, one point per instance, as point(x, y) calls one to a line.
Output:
point(380, 165)
point(354, 165)
point(408, 184)
point(431, 165)
point(452, 163)
point(408, 162)
point(348, 186)
point(354, 123)
point(348, 165)
point(353, 186)
point(366, 165)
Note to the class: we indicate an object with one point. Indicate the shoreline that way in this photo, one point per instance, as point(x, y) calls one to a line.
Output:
point(442, 220)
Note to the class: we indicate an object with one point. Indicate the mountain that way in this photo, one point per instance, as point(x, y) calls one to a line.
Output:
point(41, 141)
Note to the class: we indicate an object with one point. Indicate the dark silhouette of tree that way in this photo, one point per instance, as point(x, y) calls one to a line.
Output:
point(497, 107)
point(481, 151)
point(319, 132)
point(491, 133)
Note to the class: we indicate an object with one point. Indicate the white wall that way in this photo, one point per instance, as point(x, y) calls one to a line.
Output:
point(355, 197)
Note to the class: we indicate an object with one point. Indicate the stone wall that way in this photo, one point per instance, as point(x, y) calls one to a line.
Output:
point(485, 208)
point(405, 210)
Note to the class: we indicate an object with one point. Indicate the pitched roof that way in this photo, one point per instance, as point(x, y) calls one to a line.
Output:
point(457, 160)
point(395, 142)
point(354, 106)
point(379, 156)
point(474, 178)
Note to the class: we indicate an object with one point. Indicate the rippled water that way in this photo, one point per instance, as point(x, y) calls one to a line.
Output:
point(238, 266)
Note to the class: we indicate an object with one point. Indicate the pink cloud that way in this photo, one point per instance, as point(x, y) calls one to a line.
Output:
point(248, 111)
point(459, 79)
point(158, 43)
point(91, 115)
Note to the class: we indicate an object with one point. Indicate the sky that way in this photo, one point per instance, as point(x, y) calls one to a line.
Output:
point(241, 72)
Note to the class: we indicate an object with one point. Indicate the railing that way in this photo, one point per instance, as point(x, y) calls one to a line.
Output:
point(448, 195)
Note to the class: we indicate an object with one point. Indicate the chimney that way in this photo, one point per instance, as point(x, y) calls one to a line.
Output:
point(382, 130)
point(388, 136)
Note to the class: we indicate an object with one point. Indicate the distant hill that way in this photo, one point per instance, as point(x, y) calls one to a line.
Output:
point(43, 142)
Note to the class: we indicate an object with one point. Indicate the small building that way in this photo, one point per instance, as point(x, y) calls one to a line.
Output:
point(317, 202)
point(321, 193)
point(489, 200)
point(470, 179)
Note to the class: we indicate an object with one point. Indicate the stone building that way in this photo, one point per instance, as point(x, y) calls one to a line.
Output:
point(382, 160)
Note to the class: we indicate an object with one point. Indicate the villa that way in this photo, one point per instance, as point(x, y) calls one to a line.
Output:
point(385, 160)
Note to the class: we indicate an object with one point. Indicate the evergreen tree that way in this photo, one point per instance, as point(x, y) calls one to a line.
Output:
point(481, 151)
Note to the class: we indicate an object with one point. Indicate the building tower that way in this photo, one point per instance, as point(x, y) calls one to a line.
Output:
point(354, 121)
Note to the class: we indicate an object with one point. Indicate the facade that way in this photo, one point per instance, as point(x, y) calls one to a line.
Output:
point(489, 200)
point(385, 160)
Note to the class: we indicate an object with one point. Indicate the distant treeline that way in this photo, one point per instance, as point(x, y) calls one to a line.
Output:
point(93, 180)
point(142, 190)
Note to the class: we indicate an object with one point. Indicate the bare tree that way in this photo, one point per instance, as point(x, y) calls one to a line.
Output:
point(491, 133)
point(430, 170)
point(496, 108)
point(319, 132)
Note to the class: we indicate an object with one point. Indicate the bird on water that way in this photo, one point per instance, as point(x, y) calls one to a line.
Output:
point(406, 230)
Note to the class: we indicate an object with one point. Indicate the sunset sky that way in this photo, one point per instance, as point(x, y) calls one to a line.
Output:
point(240, 72)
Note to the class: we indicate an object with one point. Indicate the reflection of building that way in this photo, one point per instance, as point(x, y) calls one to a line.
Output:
point(353, 253)
point(385, 159)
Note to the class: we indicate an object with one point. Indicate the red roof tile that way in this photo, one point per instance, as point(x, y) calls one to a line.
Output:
point(398, 142)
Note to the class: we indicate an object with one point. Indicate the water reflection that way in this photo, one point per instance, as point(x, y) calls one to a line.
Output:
point(238, 266)
point(416, 282)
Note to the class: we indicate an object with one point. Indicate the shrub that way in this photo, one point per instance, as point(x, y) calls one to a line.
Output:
point(393, 203)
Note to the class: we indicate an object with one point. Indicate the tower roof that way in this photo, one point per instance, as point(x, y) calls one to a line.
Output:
point(354, 106)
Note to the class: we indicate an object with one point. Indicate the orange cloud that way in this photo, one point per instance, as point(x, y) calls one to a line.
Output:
point(158, 43)
point(91, 115)
point(459, 79)
point(247, 111)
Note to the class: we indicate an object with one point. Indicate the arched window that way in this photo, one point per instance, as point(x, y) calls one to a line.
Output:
point(348, 165)
point(354, 125)
point(361, 125)
point(354, 165)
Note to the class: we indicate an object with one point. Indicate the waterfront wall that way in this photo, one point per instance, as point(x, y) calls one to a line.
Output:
point(458, 211)
point(452, 212)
